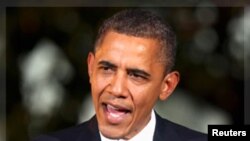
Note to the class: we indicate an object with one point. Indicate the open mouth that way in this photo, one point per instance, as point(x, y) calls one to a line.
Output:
point(116, 114)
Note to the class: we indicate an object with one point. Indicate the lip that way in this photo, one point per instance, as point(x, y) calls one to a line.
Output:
point(115, 114)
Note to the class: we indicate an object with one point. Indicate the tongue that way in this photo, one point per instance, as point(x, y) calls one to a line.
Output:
point(115, 112)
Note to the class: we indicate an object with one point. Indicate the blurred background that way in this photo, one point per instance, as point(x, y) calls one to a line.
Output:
point(47, 85)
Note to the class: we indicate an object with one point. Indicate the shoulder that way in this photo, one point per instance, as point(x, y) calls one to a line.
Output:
point(86, 130)
point(168, 129)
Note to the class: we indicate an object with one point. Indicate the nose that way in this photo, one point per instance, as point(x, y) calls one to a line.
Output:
point(118, 85)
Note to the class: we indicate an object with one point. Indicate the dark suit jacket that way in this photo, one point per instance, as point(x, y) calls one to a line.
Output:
point(88, 131)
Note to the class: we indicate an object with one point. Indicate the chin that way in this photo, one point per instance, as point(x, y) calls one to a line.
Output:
point(113, 133)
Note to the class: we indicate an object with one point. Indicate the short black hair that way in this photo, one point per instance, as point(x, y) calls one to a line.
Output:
point(146, 24)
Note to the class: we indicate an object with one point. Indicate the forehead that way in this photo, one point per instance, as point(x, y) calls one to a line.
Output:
point(125, 46)
point(130, 52)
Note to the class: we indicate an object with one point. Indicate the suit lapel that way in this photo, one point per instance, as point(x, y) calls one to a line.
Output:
point(164, 131)
point(91, 133)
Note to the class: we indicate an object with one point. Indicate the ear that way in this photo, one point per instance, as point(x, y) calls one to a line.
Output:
point(169, 84)
point(90, 61)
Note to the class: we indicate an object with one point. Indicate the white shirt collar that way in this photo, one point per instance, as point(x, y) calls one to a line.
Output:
point(146, 133)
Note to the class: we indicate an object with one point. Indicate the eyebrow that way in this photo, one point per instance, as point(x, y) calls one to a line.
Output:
point(107, 64)
point(138, 71)
point(133, 70)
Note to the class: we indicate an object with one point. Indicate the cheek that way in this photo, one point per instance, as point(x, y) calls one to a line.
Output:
point(98, 84)
point(144, 96)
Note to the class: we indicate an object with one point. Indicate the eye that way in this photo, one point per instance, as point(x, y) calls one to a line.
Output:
point(137, 77)
point(106, 69)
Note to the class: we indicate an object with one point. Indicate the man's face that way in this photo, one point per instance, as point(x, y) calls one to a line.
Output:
point(126, 80)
